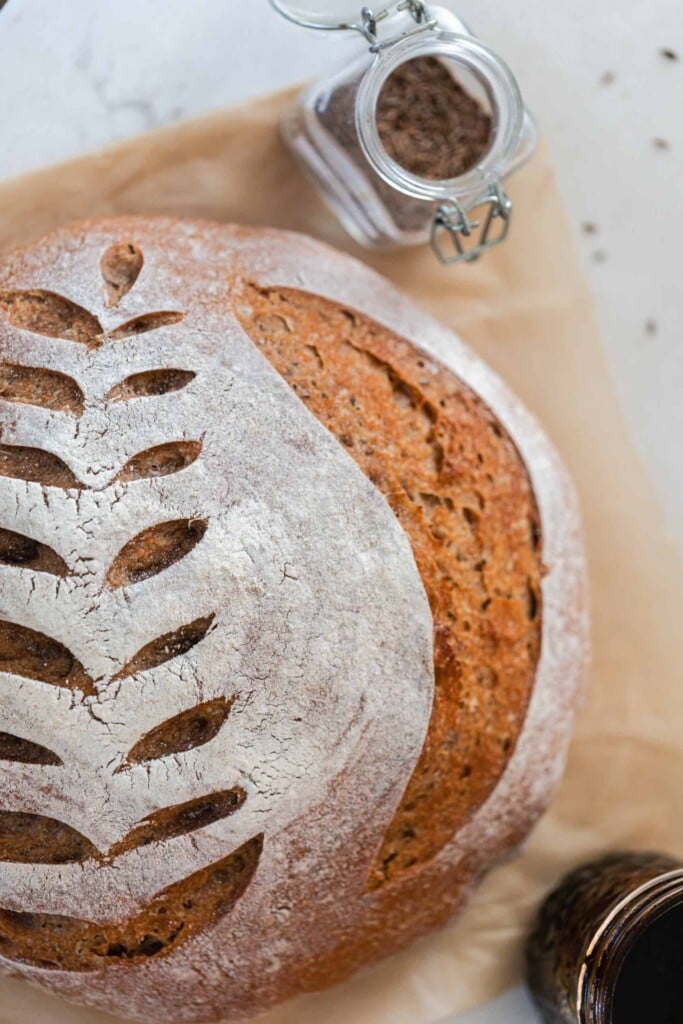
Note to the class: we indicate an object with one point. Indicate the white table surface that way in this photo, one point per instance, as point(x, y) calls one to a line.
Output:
point(78, 74)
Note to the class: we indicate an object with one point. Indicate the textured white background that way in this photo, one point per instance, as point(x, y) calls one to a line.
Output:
point(81, 73)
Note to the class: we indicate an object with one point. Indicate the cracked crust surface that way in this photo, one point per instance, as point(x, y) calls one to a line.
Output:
point(458, 487)
point(311, 693)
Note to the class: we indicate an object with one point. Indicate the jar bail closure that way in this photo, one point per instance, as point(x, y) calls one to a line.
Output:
point(347, 17)
point(452, 224)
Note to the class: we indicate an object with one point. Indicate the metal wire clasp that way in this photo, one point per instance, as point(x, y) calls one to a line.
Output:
point(452, 224)
point(417, 8)
point(368, 23)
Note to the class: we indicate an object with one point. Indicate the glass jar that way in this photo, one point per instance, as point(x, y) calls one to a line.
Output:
point(608, 944)
point(333, 129)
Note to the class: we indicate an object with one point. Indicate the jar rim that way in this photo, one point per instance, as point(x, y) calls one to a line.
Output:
point(605, 954)
point(504, 95)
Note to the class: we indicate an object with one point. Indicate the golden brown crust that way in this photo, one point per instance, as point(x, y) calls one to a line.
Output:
point(459, 488)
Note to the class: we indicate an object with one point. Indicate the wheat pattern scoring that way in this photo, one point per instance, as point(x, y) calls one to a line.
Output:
point(32, 656)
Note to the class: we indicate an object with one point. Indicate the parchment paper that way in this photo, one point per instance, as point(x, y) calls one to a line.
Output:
point(526, 309)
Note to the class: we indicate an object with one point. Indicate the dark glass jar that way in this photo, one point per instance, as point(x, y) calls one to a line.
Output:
point(608, 944)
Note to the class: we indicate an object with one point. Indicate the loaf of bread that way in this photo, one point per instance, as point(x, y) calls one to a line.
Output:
point(292, 618)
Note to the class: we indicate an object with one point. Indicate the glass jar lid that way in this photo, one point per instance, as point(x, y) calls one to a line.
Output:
point(470, 58)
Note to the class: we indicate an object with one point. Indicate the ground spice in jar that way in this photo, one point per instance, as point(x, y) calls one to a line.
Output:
point(429, 124)
point(426, 122)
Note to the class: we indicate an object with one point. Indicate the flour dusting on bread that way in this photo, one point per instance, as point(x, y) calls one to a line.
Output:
point(218, 657)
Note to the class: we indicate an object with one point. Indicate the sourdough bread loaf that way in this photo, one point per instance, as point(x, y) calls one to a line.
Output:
point(292, 618)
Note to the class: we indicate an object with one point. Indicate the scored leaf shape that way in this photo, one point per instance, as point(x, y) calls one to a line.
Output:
point(120, 267)
point(26, 553)
point(162, 460)
point(154, 550)
point(61, 942)
point(48, 389)
point(37, 466)
point(15, 748)
point(173, 822)
point(54, 316)
point(44, 312)
point(35, 839)
point(190, 729)
point(150, 384)
point(56, 942)
point(167, 647)
point(32, 655)
point(146, 322)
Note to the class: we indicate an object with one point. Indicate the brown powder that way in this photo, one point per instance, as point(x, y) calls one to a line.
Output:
point(429, 124)
point(426, 122)
point(336, 113)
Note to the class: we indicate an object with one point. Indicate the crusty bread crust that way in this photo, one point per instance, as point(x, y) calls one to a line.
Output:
point(460, 490)
point(239, 643)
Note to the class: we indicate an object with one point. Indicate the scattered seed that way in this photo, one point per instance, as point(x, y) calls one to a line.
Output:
point(609, 78)
point(662, 144)
point(651, 327)
point(589, 228)
point(668, 54)
point(600, 256)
